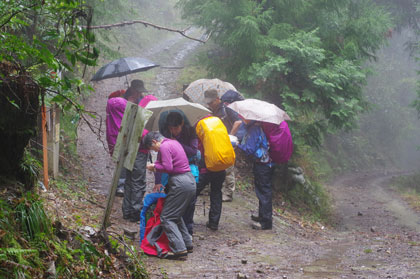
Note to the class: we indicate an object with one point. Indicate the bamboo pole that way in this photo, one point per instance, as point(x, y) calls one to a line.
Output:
point(44, 145)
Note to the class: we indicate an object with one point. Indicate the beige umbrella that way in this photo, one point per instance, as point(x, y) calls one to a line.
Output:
point(253, 109)
point(195, 91)
point(192, 111)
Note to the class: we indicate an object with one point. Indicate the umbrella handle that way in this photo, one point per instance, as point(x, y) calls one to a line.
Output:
point(126, 82)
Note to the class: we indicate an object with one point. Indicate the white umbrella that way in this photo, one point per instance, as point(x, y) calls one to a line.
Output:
point(195, 91)
point(253, 109)
point(193, 111)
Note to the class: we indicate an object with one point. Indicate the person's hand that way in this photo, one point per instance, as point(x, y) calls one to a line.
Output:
point(157, 188)
point(150, 167)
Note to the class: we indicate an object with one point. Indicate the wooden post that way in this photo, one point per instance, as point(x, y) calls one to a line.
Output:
point(125, 150)
point(111, 195)
point(44, 145)
point(54, 140)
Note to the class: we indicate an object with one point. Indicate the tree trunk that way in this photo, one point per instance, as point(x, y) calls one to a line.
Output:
point(19, 107)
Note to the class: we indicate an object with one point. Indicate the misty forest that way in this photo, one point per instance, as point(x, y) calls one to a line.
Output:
point(342, 75)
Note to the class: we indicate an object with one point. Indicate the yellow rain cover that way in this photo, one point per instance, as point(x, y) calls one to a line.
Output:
point(218, 151)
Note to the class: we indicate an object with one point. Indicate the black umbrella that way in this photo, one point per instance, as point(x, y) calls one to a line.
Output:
point(122, 67)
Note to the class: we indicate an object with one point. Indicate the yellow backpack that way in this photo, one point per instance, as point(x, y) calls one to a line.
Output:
point(218, 151)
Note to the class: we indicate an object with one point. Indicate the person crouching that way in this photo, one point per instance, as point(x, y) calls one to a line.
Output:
point(180, 191)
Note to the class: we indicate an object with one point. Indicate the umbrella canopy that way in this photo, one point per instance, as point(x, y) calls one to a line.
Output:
point(195, 91)
point(122, 67)
point(253, 109)
point(193, 112)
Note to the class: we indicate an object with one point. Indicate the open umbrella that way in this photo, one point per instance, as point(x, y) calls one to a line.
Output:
point(253, 109)
point(195, 91)
point(193, 112)
point(122, 67)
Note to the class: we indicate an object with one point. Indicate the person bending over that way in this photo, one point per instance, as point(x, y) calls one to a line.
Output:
point(180, 190)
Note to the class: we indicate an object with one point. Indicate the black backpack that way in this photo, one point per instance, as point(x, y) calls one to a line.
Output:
point(231, 96)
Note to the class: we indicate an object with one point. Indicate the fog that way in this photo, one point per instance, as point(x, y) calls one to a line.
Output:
point(390, 132)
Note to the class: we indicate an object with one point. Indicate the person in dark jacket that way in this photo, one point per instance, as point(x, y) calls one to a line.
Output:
point(269, 145)
point(255, 145)
point(174, 125)
point(232, 122)
point(215, 179)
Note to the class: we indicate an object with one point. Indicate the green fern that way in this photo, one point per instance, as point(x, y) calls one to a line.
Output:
point(19, 257)
point(5, 252)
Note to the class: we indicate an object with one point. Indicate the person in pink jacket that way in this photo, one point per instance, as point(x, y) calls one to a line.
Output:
point(180, 190)
point(135, 181)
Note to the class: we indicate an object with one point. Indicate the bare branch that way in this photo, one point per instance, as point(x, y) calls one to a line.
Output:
point(16, 13)
point(18, 265)
point(82, 113)
point(145, 23)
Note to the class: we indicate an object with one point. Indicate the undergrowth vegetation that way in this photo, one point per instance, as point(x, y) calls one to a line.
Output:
point(409, 187)
point(302, 186)
point(34, 245)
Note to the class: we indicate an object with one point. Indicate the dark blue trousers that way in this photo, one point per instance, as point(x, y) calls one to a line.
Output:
point(216, 180)
point(263, 175)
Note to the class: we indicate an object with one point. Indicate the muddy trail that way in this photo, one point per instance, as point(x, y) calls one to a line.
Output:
point(375, 234)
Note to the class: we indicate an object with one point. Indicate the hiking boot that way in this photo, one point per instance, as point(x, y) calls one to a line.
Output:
point(180, 256)
point(132, 218)
point(120, 191)
point(190, 249)
point(255, 218)
point(226, 198)
point(211, 226)
point(259, 227)
point(135, 218)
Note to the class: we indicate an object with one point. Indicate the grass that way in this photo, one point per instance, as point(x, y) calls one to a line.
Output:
point(244, 185)
point(310, 199)
point(409, 187)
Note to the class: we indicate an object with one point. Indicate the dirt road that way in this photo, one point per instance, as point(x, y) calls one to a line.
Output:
point(375, 235)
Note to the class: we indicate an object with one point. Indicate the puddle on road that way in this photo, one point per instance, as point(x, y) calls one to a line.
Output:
point(328, 266)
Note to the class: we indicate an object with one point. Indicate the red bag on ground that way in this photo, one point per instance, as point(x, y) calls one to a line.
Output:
point(155, 242)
